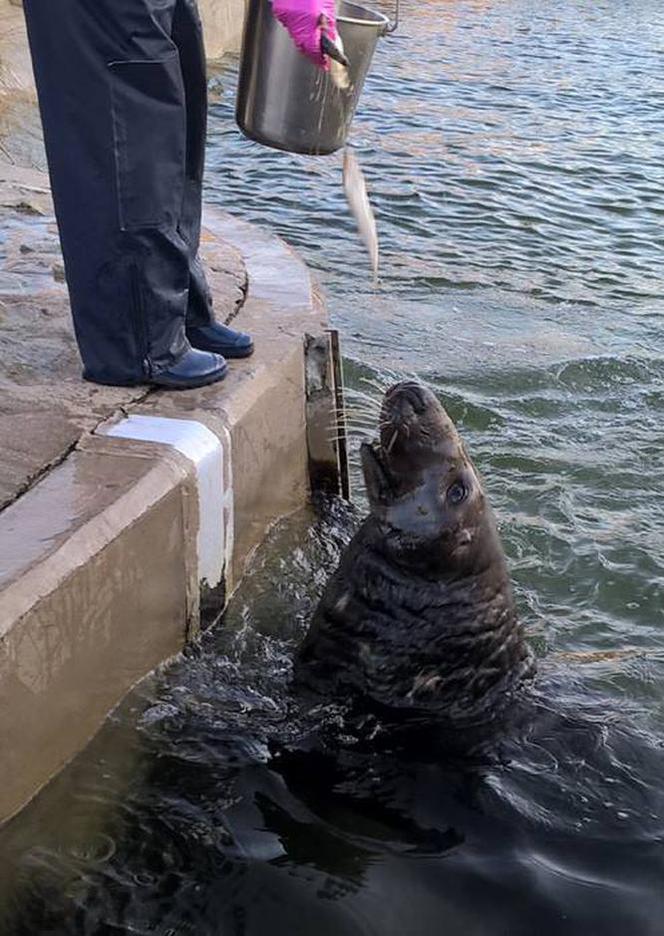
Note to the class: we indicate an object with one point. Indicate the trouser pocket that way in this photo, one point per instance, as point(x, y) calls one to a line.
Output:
point(149, 133)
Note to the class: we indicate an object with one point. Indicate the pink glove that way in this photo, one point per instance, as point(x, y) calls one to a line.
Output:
point(305, 20)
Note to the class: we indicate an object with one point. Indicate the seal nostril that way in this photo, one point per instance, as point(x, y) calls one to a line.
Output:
point(414, 394)
point(408, 391)
point(416, 398)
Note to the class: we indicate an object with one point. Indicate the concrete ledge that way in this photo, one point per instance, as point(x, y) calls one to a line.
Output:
point(107, 562)
point(222, 22)
point(20, 131)
point(129, 515)
point(45, 407)
point(91, 613)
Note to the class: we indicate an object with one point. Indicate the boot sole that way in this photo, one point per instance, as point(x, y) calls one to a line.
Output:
point(164, 384)
point(202, 381)
point(229, 353)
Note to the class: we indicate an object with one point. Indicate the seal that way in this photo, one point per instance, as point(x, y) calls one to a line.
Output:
point(419, 616)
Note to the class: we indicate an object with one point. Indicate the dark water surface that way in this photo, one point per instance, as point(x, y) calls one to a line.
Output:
point(516, 159)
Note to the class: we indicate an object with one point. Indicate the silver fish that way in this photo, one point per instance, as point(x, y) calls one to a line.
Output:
point(339, 64)
point(358, 201)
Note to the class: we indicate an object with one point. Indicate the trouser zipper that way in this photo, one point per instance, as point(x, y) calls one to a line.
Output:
point(138, 321)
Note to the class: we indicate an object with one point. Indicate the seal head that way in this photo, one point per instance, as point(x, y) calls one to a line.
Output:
point(419, 616)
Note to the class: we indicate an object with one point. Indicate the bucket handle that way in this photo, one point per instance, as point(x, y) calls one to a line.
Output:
point(393, 24)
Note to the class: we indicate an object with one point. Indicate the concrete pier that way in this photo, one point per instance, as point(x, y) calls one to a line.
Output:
point(128, 515)
point(222, 21)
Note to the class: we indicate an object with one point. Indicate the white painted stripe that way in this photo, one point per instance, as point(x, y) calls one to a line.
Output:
point(229, 506)
point(215, 503)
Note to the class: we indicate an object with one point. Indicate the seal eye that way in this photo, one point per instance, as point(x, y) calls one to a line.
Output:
point(457, 493)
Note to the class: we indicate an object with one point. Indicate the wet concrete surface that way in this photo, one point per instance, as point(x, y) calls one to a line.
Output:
point(80, 572)
point(45, 406)
point(100, 575)
point(15, 70)
point(222, 23)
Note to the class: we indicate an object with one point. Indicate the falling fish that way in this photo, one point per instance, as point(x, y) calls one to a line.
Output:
point(358, 201)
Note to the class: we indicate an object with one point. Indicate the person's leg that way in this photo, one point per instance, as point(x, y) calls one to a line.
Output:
point(202, 329)
point(187, 34)
point(114, 116)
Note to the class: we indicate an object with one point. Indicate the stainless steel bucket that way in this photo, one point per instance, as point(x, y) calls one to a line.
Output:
point(284, 100)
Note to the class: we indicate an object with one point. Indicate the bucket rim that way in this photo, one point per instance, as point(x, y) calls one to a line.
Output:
point(379, 22)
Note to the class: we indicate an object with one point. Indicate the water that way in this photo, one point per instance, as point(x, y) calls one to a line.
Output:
point(214, 803)
point(515, 156)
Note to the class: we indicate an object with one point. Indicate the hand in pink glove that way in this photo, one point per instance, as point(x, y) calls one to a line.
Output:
point(305, 21)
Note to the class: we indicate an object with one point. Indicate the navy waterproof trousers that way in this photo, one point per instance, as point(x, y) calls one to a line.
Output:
point(123, 98)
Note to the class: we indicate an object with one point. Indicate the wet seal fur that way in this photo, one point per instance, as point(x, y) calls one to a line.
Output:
point(419, 618)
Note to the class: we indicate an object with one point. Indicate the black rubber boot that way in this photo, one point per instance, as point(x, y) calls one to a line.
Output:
point(221, 339)
point(123, 101)
point(193, 369)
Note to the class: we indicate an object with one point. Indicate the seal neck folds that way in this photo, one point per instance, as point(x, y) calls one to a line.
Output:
point(420, 616)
